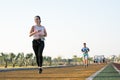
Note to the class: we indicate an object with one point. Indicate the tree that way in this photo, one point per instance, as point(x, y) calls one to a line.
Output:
point(20, 59)
point(16, 59)
point(64, 61)
point(12, 58)
point(59, 59)
point(75, 59)
point(49, 59)
point(55, 61)
point(79, 59)
point(5, 58)
point(69, 61)
point(1, 59)
point(34, 61)
point(45, 60)
point(90, 59)
point(28, 59)
point(118, 59)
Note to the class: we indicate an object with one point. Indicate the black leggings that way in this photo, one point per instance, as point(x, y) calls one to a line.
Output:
point(38, 47)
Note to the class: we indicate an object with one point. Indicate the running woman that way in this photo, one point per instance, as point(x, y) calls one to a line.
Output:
point(39, 33)
point(85, 51)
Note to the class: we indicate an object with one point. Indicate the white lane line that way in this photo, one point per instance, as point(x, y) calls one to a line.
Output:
point(15, 69)
point(116, 69)
point(95, 74)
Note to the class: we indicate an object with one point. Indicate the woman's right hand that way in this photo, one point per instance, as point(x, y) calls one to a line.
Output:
point(34, 32)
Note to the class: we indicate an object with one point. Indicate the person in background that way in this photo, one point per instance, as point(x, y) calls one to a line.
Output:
point(85, 51)
point(39, 33)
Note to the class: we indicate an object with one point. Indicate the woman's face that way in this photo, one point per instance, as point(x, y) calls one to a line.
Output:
point(37, 20)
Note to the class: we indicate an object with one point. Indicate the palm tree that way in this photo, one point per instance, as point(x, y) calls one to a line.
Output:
point(16, 59)
point(5, 58)
point(49, 59)
point(1, 59)
point(28, 58)
point(20, 59)
point(55, 61)
point(90, 60)
point(45, 60)
point(33, 61)
point(75, 59)
point(64, 61)
point(59, 59)
point(79, 59)
point(12, 58)
point(69, 61)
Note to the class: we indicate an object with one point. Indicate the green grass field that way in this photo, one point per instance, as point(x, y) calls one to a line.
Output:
point(109, 73)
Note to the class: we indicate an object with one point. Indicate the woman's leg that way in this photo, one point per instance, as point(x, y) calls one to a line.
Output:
point(35, 48)
point(40, 51)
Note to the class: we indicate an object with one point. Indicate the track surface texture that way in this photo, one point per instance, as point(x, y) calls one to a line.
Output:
point(63, 73)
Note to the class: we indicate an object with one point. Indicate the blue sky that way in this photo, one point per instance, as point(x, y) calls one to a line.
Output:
point(69, 23)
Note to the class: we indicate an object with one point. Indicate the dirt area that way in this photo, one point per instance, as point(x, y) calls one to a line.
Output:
point(67, 73)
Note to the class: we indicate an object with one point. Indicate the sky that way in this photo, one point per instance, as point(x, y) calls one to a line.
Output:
point(69, 23)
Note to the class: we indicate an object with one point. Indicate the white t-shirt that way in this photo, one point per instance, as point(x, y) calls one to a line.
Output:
point(40, 34)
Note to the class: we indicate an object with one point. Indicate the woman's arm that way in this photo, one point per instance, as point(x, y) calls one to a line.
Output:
point(32, 32)
point(45, 33)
